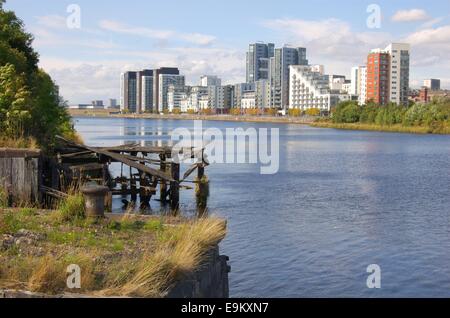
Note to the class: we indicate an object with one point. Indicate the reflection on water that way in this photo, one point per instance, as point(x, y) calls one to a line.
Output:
point(342, 200)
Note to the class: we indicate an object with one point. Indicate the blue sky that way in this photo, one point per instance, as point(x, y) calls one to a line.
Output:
point(211, 37)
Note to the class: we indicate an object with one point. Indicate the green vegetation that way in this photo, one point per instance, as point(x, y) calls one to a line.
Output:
point(126, 255)
point(3, 198)
point(30, 109)
point(419, 118)
point(71, 209)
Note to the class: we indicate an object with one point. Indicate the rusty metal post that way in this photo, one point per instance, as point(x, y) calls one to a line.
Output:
point(95, 200)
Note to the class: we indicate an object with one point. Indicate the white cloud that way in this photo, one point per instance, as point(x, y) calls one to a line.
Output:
point(52, 21)
point(439, 35)
point(81, 81)
point(331, 42)
point(432, 22)
point(159, 34)
point(410, 15)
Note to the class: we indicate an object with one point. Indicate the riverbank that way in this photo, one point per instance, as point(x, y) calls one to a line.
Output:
point(373, 127)
point(304, 120)
point(119, 256)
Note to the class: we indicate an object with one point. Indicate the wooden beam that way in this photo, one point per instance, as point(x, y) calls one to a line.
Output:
point(126, 161)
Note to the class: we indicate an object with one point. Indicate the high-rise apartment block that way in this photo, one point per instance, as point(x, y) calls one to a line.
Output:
point(378, 80)
point(279, 73)
point(388, 74)
point(128, 92)
point(258, 58)
point(146, 91)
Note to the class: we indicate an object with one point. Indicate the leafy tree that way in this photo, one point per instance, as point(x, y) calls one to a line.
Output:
point(29, 101)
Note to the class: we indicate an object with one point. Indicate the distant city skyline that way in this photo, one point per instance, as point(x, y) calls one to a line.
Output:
point(199, 39)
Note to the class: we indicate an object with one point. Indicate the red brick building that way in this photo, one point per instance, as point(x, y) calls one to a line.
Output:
point(378, 68)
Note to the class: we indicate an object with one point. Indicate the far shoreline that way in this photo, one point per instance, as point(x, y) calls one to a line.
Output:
point(304, 120)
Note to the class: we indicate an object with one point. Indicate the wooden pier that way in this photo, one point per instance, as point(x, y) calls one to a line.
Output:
point(145, 172)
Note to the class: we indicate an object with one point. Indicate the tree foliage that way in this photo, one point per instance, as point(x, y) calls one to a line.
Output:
point(435, 115)
point(29, 101)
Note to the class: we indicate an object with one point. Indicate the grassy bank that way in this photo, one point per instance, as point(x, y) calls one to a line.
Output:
point(373, 127)
point(120, 256)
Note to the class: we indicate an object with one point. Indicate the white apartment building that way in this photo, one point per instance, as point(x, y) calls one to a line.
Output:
point(203, 102)
point(311, 89)
point(191, 101)
point(399, 72)
point(165, 80)
point(248, 100)
point(355, 81)
point(175, 95)
point(358, 85)
point(362, 87)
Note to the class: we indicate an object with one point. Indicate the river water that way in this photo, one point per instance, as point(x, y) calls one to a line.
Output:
point(342, 200)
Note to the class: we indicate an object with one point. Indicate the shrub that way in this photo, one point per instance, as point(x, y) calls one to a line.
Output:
point(313, 112)
point(295, 112)
point(235, 111)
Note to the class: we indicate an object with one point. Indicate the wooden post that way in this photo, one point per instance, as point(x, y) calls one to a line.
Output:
point(163, 186)
point(133, 187)
point(175, 187)
point(144, 192)
point(202, 191)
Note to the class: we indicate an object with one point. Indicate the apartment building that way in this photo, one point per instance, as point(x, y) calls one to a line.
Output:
point(258, 58)
point(164, 81)
point(309, 89)
point(128, 92)
point(279, 73)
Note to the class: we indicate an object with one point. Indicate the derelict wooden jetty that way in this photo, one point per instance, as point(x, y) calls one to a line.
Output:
point(145, 171)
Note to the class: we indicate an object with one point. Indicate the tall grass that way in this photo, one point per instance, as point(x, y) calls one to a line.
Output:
point(3, 198)
point(71, 208)
point(179, 253)
point(21, 142)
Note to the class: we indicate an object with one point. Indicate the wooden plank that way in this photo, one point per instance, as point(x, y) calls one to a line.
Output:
point(19, 153)
point(87, 167)
point(190, 171)
point(5, 172)
point(76, 154)
point(18, 179)
point(128, 162)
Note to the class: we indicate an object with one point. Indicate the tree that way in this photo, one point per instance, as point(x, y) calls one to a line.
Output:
point(29, 101)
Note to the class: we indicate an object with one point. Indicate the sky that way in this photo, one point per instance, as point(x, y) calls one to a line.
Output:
point(211, 37)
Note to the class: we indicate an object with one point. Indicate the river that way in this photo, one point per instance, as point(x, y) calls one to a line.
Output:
point(342, 200)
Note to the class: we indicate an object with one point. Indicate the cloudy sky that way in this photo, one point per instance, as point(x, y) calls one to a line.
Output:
point(211, 37)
